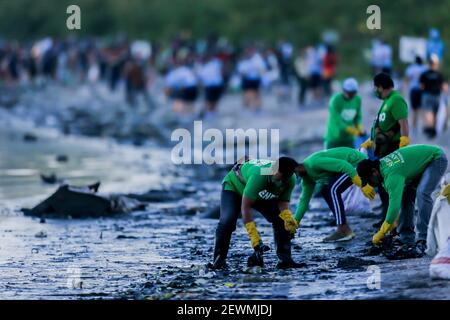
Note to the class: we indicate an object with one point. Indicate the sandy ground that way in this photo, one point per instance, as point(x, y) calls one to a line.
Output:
point(160, 253)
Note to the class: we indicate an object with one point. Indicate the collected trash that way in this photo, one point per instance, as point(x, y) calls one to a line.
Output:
point(355, 202)
point(41, 234)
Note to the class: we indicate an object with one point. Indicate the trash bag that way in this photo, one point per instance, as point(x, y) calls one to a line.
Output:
point(355, 202)
point(440, 265)
point(439, 225)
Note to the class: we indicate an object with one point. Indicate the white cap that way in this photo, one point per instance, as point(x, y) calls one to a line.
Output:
point(350, 85)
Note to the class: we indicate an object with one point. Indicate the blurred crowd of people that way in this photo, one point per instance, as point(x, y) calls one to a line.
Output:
point(187, 68)
point(427, 88)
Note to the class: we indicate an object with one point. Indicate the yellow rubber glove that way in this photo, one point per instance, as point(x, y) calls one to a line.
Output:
point(368, 192)
point(290, 224)
point(353, 131)
point(360, 128)
point(385, 229)
point(253, 234)
point(357, 181)
point(404, 141)
point(367, 144)
point(446, 192)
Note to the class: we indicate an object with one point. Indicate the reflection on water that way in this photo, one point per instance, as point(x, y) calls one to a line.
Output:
point(22, 163)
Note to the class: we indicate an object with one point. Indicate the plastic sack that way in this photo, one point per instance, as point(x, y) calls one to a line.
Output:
point(440, 265)
point(439, 225)
point(355, 202)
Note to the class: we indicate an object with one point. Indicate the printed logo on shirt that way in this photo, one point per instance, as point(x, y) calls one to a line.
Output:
point(266, 195)
point(382, 117)
point(348, 114)
point(393, 159)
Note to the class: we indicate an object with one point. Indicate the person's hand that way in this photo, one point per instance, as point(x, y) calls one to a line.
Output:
point(379, 236)
point(404, 141)
point(353, 131)
point(367, 144)
point(290, 224)
point(253, 234)
point(368, 191)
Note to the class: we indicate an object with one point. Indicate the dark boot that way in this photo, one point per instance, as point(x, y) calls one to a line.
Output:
point(222, 244)
point(283, 245)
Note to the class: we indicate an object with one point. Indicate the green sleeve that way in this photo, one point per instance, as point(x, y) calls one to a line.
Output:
point(359, 112)
point(399, 109)
point(394, 187)
point(303, 203)
point(335, 114)
point(335, 165)
point(286, 194)
point(254, 185)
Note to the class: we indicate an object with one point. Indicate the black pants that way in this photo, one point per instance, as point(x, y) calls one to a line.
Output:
point(230, 211)
point(332, 193)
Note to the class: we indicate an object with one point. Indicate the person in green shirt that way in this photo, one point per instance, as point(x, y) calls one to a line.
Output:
point(390, 129)
point(345, 118)
point(408, 174)
point(265, 186)
point(336, 170)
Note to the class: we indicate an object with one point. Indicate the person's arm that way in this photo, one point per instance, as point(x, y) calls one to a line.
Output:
point(283, 205)
point(246, 209)
point(404, 127)
point(394, 187)
point(305, 198)
point(400, 113)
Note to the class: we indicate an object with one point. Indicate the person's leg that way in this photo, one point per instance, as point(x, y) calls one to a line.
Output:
point(332, 194)
point(428, 183)
point(282, 237)
point(230, 208)
point(405, 226)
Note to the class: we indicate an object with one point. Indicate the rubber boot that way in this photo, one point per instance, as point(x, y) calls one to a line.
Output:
point(222, 244)
point(283, 245)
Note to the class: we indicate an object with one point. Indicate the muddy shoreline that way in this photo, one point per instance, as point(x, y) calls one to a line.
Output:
point(161, 252)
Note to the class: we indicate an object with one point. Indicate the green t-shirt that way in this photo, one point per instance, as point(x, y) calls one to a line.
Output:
point(259, 185)
point(323, 165)
point(403, 166)
point(343, 113)
point(393, 109)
